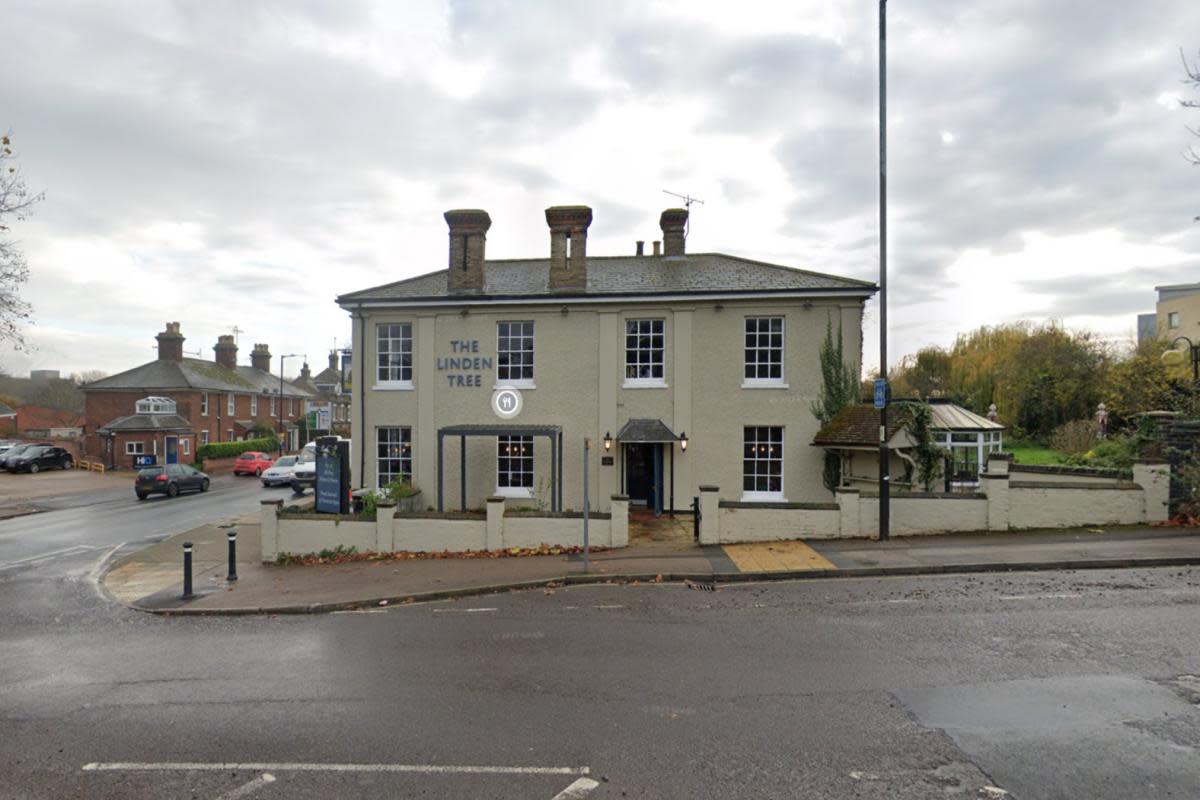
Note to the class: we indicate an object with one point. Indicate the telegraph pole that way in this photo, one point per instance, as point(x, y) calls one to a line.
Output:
point(881, 387)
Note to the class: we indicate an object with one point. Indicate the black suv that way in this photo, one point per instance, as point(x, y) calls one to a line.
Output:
point(38, 458)
point(169, 479)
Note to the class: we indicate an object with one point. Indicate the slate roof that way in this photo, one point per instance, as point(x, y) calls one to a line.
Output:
point(195, 373)
point(649, 431)
point(6, 410)
point(694, 273)
point(148, 422)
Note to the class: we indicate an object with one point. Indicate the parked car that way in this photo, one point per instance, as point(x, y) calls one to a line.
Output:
point(17, 449)
point(280, 473)
point(40, 457)
point(169, 479)
point(252, 463)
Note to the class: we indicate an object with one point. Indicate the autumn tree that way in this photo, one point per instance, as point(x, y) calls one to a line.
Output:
point(15, 203)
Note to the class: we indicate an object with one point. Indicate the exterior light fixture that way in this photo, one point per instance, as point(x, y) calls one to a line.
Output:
point(1174, 356)
point(607, 440)
point(683, 441)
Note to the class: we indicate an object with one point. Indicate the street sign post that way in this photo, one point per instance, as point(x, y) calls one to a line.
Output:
point(881, 393)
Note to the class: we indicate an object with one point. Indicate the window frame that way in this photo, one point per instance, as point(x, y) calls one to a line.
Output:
point(524, 475)
point(185, 446)
point(756, 495)
point(253, 406)
point(203, 438)
point(522, 382)
point(400, 382)
point(274, 407)
point(204, 404)
point(759, 382)
point(1172, 320)
point(139, 451)
point(404, 442)
point(651, 382)
point(230, 404)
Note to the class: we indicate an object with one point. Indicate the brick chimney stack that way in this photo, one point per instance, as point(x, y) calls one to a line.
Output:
point(468, 237)
point(260, 357)
point(305, 372)
point(226, 351)
point(568, 246)
point(333, 360)
point(673, 223)
point(170, 343)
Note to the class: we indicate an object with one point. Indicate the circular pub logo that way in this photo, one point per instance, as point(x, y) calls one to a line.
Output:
point(506, 402)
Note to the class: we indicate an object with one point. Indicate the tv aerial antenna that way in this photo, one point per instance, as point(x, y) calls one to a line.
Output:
point(236, 330)
point(687, 204)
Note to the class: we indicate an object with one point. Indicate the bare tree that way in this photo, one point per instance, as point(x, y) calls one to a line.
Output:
point(15, 204)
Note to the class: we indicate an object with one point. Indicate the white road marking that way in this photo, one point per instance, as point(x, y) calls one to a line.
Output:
point(462, 610)
point(432, 769)
point(579, 788)
point(1039, 596)
point(97, 569)
point(79, 548)
point(253, 786)
point(608, 606)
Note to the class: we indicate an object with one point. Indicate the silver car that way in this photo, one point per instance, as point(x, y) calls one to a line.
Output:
point(280, 473)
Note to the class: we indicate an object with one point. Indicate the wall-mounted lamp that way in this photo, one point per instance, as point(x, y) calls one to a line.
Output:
point(607, 440)
point(565, 311)
point(683, 441)
point(464, 312)
point(718, 307)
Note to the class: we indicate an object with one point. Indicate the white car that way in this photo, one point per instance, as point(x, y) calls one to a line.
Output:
point(280, 473)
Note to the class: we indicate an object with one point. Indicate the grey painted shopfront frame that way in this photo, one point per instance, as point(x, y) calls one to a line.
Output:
point(552, 432)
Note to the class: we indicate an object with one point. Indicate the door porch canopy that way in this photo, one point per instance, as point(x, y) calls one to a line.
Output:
point(645, 431)
point(551, 432)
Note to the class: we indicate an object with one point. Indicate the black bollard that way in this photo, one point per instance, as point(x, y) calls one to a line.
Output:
point(232, 556)
point(187, 570)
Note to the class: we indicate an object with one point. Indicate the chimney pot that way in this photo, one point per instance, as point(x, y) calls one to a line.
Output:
point(641, 247)
point(673, 223)
point(568, 246)
point(658, 248)
point(170, 343)
point(333, 359)
point(468, 237)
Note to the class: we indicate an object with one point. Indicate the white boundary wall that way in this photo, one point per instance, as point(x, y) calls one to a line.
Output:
point(389, 533)
point(1000, 505)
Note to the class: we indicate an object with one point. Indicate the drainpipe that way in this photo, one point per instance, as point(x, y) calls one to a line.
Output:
point(360, 358)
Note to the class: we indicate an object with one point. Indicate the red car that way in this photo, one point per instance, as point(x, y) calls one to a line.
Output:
point(252, 463)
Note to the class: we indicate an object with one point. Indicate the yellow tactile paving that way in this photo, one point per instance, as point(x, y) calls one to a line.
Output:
point(775, 557)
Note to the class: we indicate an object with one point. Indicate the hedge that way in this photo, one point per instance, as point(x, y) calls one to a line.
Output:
point(231, 449)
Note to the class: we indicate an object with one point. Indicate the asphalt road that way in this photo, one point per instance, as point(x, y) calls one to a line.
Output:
point(1047, 685)
point(100, 520)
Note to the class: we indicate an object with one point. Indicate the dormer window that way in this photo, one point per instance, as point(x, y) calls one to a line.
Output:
point(156, 405)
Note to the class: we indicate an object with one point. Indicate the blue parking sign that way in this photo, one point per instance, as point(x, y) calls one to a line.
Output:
point(881, 392)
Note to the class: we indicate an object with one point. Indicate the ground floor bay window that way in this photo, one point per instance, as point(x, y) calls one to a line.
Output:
point(762, 463)
point(393, 456)
point(514, 466)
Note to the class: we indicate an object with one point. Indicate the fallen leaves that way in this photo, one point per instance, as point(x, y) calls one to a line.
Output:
point(344, 556)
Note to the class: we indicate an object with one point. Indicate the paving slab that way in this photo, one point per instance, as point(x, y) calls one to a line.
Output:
point(152, 579)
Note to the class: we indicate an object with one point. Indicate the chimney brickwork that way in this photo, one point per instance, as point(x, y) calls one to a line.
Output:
point(260, 357)
point(568, 246)
point(673, 223)
point(333, 360)
point(226, 351)
point(170, 343)
point(468, 237)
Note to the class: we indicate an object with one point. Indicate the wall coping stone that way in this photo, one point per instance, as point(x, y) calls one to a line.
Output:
point(934, 495)
point(708, 487)
point(994, 477)
point(556, 514)
point(1121, 485)
point(1055, 469)
point(620, 497)
point(1000, 457)
point(847, 490)
point(496, 498)
point(271, 502)
point(1152, 461)
point(782, 506)
point(386, 504)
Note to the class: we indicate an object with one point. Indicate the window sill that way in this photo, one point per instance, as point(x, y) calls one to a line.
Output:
point(763, 497)
point(523, 385)
point(398, 386)
point(513, 491)
point(764, 384)
point(644, 383)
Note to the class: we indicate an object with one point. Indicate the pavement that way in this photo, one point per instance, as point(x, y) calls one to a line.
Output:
point(25, 493)
point(151, 579)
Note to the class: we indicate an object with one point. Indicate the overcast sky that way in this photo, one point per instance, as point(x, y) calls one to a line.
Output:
point(241, 163)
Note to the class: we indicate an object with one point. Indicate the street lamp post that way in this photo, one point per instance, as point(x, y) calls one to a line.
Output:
point(1174, 356)
point(281, 360)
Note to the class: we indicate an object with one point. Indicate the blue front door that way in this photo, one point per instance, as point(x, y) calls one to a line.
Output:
point(172, 448)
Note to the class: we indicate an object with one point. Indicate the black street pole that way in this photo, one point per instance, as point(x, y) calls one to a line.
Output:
point(884, 476)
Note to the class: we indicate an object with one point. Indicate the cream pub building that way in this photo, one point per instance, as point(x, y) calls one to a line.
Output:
point(682, 369)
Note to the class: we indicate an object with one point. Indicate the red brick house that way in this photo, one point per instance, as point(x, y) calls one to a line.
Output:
point(172, 405)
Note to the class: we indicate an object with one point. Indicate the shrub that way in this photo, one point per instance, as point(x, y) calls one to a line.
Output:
point(1074, 437)
point(233, 449)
